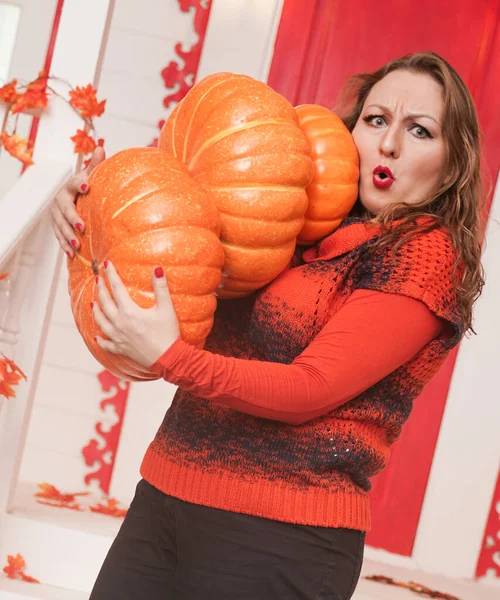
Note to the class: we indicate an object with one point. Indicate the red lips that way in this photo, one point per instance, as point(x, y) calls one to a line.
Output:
point(382, 177)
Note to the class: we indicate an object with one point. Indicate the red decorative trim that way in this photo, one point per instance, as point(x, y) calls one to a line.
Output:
point(95, 451)
point(489, 560)
point(185, 76)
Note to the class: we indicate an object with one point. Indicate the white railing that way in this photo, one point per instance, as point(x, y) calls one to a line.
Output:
point(29, 254)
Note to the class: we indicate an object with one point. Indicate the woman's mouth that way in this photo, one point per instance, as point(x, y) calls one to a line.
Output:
point(382, 177)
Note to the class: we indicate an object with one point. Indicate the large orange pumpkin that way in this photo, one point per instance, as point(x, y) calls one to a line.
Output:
point(144, 209)
point(242, 141)
point(334, 187)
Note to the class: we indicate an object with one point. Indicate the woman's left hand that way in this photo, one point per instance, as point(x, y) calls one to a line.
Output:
point(142, 334)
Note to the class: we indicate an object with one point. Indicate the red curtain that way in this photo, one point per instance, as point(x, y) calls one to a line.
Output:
point(320, 44)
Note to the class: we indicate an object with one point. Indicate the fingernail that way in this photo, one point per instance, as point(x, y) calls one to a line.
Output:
point(79, 226)
point(106, 264)
point(95, 339)
point(96, 280)
point(73, 243)
point(158, 272)
point(91, 305)
point(69, 254)
point(83, 187)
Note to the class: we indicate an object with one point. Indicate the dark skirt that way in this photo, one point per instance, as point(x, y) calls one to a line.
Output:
point(173, 550)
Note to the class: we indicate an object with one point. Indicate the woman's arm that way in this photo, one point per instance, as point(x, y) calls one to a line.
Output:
point(371, 336)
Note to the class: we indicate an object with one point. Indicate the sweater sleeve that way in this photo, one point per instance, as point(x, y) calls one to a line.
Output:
point(372, 335)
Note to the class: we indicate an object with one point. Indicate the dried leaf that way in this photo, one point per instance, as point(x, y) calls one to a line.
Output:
point(10, 375)
point(50, 492)
point(15, 565)
point(83, 142)
point(15, 569)
point(8, 92)
point(110, 508)
point(27, 578)
point(85, 101)
point(35, 95)
point(417, 588)
point(18, 147)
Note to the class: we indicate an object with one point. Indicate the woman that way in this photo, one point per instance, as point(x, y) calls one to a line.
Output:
point(256, 485)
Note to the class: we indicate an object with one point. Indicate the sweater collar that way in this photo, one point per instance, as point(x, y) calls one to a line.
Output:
point(352, 233)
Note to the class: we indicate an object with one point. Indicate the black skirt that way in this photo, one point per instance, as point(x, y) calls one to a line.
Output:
point(169, 549)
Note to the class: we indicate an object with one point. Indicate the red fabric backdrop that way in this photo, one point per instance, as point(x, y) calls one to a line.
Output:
point(322, 42)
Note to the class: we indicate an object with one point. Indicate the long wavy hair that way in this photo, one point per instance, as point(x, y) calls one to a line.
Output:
point(457, 204)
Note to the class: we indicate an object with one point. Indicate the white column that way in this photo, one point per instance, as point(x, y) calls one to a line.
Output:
point(465, 466)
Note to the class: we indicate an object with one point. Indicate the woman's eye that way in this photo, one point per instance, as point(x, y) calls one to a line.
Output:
point(420, 132)
point(375, 120)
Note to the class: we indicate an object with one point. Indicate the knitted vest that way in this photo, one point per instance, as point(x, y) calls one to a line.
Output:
point(316, 473)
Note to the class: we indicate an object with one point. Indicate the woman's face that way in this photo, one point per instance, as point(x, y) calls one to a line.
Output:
point(400, 141)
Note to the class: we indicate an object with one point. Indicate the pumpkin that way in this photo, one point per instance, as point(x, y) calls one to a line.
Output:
point(144, 209)
point(242, 141)
point(334, 187)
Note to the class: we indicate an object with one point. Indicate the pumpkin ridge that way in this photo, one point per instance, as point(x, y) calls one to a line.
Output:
point(133, 201)
point(78, 298)
point(193, 114)
point(255, 186)
point(259, 249)
point(199, 176)
point(227, 132)
point(239, 217)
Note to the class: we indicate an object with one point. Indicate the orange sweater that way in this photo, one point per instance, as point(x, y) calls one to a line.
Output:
point(311, 459)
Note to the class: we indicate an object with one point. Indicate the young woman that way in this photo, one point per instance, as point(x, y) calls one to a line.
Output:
point(256, 484)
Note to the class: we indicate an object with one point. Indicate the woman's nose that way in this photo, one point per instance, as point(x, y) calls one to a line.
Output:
point(390, 144)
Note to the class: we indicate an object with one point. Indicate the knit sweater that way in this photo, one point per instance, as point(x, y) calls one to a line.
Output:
point(318, 472)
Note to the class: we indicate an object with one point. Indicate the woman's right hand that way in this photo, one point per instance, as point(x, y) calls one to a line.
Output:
point(64, 217)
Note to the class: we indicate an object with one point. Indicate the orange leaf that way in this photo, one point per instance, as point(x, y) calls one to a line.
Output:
point(35, 95)
point(18, 147)
point(10, 375)
point(15, 565)
point(85, 101)
point(60, 504)
point(15, 569)
point(27, 578)
point(83, 142)
point(110, 508)
point(50, 492)
point(8, 92)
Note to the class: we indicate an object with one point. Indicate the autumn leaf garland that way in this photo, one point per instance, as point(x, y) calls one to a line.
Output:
point(35, 96)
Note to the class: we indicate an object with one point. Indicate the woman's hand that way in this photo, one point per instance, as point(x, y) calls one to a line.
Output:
point(65, 219)
point(142, 334)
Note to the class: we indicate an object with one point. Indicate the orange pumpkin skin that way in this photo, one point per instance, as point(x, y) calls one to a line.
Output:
point(242, 141)
point(334, 188)
point(143, 209)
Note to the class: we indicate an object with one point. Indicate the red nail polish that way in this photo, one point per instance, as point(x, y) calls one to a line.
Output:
point(83, 187)
point(158, 272)
point(69, 254)
point(96, 280)
point(95, 339)
point(91, 305)
point(79, 226)
point(106, 263)
point(73, 243)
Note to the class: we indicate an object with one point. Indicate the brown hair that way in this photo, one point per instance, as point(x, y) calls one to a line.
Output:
point(457, 204)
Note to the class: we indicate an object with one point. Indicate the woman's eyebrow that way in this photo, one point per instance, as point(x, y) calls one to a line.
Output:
point(410, 115)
